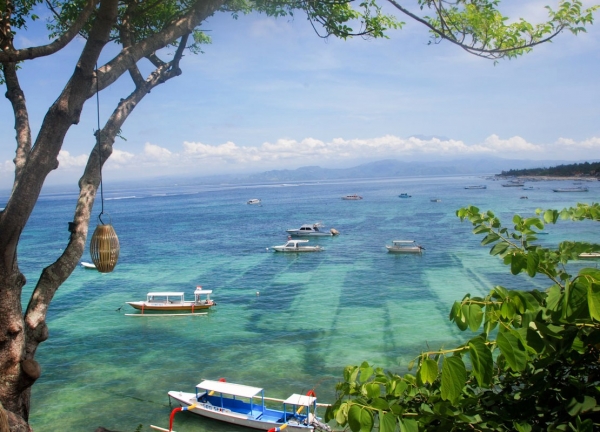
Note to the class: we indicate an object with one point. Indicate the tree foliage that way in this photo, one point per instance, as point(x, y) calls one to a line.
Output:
point(534, 364)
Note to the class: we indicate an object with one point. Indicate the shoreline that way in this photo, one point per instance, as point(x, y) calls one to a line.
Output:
point(549, 178)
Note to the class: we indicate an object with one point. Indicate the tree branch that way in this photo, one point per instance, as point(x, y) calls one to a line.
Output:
point(16, 97)
point(11, 55)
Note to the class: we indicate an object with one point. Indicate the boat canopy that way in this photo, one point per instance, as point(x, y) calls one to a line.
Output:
point(165, 294)
point(402, 241)
point(229, 388)
point(201, 291)
point(298, 399)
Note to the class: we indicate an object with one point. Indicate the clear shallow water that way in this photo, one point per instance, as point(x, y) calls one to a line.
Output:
point(315, 313)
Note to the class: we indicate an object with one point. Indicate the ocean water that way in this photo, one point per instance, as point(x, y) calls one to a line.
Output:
point(284, 322)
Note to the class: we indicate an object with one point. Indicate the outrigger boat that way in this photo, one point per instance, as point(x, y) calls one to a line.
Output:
point(247, 406)
point(168, 301)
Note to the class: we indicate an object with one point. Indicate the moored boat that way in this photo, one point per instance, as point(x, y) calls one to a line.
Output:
point(170, 301)
point(353, 197)
point(476, 187)
point(404, 246)
point(253, 201)
point(571, 189)
point(297, 246)
point(247, 406)
point(404, 195)
point(311, 230)
point(589, 255)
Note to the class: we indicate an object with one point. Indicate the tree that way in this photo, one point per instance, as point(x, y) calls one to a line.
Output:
point(534, 365)
point(143, 29)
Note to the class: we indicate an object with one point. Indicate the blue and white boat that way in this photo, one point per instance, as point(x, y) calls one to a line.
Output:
point(314, 230)
point(247, 406)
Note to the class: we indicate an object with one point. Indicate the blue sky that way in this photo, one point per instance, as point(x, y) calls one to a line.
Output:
point(270, 94)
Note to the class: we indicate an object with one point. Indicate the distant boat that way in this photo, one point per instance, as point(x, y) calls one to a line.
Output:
point(313, 230)
point(253, 201)
point(528, 188)
point(571, 189)
point(296, 246)
point(476, 187)
point(435, 200)
point(404, 246)
point(524, 197)
point(88, 265)
point(404, 195)
point(589, 255)
point(513, 184)
point(352, 197)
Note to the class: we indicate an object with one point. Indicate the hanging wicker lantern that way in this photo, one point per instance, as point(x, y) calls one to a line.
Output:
point(104, 248)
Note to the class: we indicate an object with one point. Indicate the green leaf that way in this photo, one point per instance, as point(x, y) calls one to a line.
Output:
point(513, 352)
point(454, 377)
point(373, 390)
point(428, 371)
point(580, 404)
point(522, 427)
point(518, 263)
point(408, 425)
point(365, 371)
point(360, 419)
point(473, 315)
point(481, 360)
point(533, 261)
point(387, 422)
point(499, 248)
point(380, 404)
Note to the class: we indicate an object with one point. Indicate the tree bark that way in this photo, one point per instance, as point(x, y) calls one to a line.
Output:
point(21, 334)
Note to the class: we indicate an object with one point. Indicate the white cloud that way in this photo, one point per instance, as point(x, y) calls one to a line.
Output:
point(226, 158)
point(68, 162)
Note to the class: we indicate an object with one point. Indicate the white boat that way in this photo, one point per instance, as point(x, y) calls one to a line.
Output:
point(313, 230)
point(247, 406)
point(88, 265)
point(476, 187)
point(296, 246)
point(589, 255)
point(253, 201)
point(352, 197)
point(404, 246)
point(571, 189)
point(170, 301)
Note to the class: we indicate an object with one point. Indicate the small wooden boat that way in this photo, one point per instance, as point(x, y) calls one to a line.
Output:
point(571, 189)
point(247, 406)
point(168, 301)
point(88, 265)
point(296, 246)
point(404, 246)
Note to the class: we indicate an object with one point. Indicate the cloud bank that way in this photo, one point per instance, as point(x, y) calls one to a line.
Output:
point(206, 159)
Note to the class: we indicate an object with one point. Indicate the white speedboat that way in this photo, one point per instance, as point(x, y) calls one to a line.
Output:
point(168, 301)
point(88, 265)
point(589, 255)
point(296, 246)
point(313, 230)
point(253, 201)
point(247, 406)
point(404, 246)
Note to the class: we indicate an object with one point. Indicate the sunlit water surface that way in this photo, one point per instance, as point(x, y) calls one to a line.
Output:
point(284, 322)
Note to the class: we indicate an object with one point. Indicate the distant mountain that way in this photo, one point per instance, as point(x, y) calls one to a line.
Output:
point(392, 168)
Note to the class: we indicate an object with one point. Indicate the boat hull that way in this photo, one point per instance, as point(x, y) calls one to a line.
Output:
point(230, 416)
point(413, 250)
point(186, 307)
point(298, 249)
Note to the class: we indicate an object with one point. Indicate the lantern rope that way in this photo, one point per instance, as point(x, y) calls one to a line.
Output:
point(98, 134)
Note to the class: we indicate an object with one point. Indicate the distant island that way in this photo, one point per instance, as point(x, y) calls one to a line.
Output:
point(585, 169)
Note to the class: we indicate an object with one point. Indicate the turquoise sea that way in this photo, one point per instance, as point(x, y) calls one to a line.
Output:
point(284, 322)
